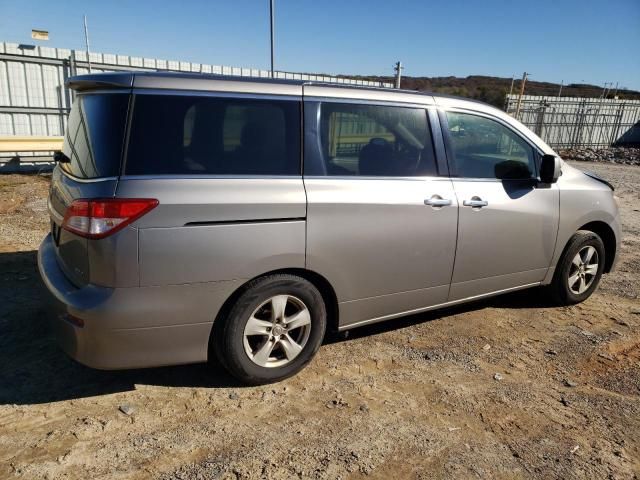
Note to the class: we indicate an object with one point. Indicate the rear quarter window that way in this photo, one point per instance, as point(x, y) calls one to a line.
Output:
point(94, 135)
point(192, 135)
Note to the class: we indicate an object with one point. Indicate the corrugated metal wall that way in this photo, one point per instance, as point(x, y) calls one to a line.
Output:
point(570, 122)
point(34, 101)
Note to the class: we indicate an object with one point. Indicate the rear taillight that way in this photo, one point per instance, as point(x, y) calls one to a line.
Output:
point(98, 218)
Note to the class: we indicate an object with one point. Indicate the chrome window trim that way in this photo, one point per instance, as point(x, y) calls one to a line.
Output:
point(104, 91)
point(214, 83)
point(494, 180)
point(369, 177)
point(314, 92)
point(283, 177)
point(87, 180)
point(216, 94)
point(372, 102)
point(209, 177)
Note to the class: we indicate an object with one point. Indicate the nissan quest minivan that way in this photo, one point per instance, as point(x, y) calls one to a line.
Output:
point(200, 217)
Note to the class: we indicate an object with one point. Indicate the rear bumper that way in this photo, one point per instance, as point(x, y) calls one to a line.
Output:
point(132, 327)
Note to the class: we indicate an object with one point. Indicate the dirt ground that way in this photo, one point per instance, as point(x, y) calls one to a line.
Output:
point(504, 388)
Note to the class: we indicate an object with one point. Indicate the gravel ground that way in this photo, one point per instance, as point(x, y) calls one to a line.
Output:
point(621, 155)
point(504, 388)
point(23, 211)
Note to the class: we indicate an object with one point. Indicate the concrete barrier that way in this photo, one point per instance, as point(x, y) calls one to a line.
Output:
point(30, 144)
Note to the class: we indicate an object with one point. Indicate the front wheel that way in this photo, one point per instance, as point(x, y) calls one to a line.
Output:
point(579, 270)
point(272, 331)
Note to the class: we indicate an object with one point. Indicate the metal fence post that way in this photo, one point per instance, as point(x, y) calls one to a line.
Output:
point(618, 122)
point(540, 120)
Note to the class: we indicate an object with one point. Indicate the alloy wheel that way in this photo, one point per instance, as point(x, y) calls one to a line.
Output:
point(583, 270)
point(277, 331)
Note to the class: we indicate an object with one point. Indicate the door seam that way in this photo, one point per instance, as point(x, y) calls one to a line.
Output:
point(455, 251)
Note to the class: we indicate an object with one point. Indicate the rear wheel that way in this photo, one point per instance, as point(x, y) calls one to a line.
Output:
point(272, 331)
point(579, 270)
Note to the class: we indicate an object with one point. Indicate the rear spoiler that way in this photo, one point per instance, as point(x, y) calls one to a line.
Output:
point(95, 81)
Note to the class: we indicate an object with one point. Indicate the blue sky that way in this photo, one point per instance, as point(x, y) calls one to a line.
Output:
point(569, 40)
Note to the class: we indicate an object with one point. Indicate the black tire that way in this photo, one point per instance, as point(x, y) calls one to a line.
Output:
point(559, 288)
point(228, 339)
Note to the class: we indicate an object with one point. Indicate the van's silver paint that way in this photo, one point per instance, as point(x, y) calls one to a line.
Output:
point(150, 293)
point(206, 253)
point(583, 200)
point(404, 311)
point(373, 238)
point(204, 84)
point(72, 251)
point(197, 200)
point(133, 327)
point(515, 233)
point(113, 260)
point(377, 95)
point(196, 224)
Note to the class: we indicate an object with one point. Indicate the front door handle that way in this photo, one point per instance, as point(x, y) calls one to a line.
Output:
point(475, 202)
point(437, 201)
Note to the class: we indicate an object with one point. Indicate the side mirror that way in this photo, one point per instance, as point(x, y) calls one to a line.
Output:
point(550, 169)
point(60, 157)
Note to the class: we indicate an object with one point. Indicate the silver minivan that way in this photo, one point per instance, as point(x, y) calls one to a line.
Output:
point(196, 217)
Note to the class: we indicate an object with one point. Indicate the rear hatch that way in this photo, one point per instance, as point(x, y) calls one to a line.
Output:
point(93, 144)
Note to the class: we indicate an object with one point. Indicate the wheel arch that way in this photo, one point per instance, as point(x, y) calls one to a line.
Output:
point(605, 232)
point(321, 283)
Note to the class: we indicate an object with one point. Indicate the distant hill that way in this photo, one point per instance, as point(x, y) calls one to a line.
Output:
point(494, 89)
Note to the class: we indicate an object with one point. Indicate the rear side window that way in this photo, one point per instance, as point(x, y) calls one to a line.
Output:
point(193, 135)
point(484, 148)
point(367, 140)
point(94, 135)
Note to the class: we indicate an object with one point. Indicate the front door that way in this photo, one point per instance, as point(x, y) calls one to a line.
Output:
point(381, 222)
point(507, 222)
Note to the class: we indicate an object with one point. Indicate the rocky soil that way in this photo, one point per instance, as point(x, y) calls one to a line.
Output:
point(505, 388)
point(621, 155)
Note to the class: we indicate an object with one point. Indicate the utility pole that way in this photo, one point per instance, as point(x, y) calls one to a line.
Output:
point(615, 91)
point(522, 83)
point(86, 40)
point(272, 25)
point(507, 100)
point(398, 69)
point(560, 91)
point(513, 78)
